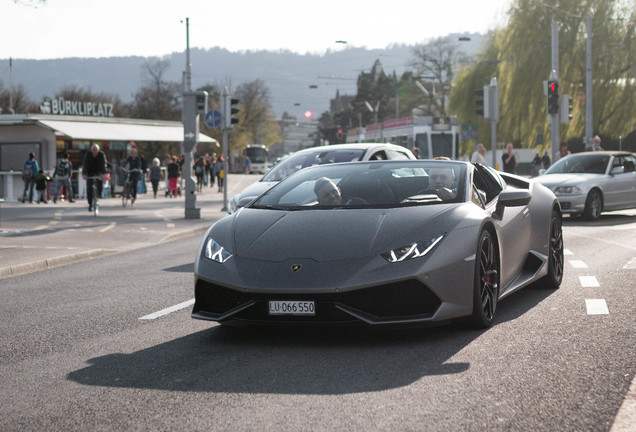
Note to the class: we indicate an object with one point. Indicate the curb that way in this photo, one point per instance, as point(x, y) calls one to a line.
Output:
point(20, 269)
point(625, 419)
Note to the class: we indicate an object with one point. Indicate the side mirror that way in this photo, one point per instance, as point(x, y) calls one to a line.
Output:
point(618, 170)
point(511, 198)
point(245, 201)
point(542, 171)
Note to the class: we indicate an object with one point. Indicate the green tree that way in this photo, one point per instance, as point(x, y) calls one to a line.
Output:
point(519, 56)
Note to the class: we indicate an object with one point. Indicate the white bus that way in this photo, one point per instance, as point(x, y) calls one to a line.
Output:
point(258, 157)
point(433, 136)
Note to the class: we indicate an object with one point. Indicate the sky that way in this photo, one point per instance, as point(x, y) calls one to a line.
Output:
point(112, 28)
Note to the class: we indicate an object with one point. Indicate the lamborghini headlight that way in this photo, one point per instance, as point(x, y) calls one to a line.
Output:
point(215, 251)
point(412, 251)
point(567, 190)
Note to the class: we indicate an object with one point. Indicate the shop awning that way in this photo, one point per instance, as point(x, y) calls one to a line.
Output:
point(121, 131)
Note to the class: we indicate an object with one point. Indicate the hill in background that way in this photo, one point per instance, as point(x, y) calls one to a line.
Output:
point(287, 75)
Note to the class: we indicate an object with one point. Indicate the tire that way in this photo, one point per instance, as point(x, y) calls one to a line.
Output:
point(555, 254)
point(95, 202)
point(593, 205)
point(124, 197)
point(486, 283)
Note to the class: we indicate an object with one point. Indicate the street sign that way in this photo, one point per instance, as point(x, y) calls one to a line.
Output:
point(213, 118)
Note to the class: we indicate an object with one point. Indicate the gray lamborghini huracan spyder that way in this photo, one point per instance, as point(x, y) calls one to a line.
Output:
point(380, 243)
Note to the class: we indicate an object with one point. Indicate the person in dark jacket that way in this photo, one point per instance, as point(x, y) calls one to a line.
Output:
point(94, 166)
point(133, 163)
point(174, 172)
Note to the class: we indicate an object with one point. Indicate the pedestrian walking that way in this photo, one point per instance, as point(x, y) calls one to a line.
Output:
point(155, 176)
point(30, 169)
point(174, 172)
point(219, 172)
point(62, 178)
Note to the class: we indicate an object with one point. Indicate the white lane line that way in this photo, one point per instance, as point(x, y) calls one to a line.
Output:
point(168, 310)
point(108, 227)
point(567, 252)
point(630, 264)
point(589, 281)
point(577, 264)
point(596, 307)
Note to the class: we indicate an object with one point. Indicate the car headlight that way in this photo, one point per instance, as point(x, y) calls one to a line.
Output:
point(411, 251)
point(215, 251)
point(567, 190)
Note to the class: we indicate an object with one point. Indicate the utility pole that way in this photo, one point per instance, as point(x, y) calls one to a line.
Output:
point(554, 79)
point(588, 87)
point(493, 101)
point(194, 103)
point(11, 110)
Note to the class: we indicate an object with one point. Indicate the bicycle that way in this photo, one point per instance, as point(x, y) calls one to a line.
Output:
point(95, 201)
point(128, 185)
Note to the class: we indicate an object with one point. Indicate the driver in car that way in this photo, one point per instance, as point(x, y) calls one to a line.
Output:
point(329, 194)
point(441, 180)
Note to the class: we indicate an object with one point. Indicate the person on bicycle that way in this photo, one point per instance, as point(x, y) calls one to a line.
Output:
point(133, 163)
point(94, 166)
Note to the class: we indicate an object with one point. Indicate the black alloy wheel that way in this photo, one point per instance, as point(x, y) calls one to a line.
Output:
point(486, 290)
point(555, 254)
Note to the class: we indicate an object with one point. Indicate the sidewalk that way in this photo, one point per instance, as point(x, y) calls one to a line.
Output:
point(35, 237)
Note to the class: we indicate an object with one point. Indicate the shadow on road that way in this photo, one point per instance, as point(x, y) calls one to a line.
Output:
point(606, 219)
point(296, 360)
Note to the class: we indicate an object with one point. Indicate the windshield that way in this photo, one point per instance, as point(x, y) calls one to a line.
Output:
point(256, 154)
point(582, 163)
point(369, 185)
point(299, 161)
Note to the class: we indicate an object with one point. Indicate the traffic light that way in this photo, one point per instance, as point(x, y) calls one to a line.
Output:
point(553, 97)
point(229, 111)
point(201, 101)
point(566, 109)
point(483, 101)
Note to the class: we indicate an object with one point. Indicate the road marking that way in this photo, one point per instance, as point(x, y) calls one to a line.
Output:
point(170, 225)
point(596, 307)
point(630, 264)
point(589, 281)
point(108, 227)
point(168, 310)
point(567, 252)
point(577, 264)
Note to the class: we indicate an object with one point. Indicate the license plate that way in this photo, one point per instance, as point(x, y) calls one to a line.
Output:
point(291, 308)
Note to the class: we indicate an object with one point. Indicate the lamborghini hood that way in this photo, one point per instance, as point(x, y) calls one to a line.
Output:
point(326, 235)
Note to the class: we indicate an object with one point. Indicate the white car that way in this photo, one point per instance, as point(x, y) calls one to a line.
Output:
point(318, 156)
point(589, 183)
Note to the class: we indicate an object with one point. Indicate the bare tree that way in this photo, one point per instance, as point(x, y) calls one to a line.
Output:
point(158, 98)
point(436, 62)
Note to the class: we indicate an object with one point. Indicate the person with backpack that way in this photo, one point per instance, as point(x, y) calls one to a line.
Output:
point(29, 170)
point(62, 175)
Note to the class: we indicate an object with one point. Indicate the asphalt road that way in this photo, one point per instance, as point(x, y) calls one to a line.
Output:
point(95, 345)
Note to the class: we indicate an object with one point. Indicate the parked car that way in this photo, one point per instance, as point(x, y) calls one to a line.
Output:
point(590, 183)
point(318, 156)
point(380, 243)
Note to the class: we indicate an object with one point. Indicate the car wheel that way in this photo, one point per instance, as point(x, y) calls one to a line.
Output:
point(555, 254)
point(593, 205)
point(486, 283)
